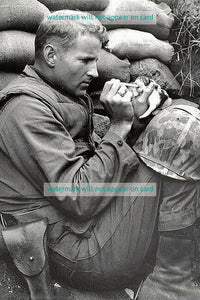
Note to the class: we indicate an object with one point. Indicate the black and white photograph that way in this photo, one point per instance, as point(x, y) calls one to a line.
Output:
point(99, 149)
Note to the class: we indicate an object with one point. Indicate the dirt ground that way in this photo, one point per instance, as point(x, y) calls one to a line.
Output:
point(12, 287)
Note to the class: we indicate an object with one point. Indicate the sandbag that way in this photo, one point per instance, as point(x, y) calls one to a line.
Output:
point(168, 2)
point(17, 49)
point(164, 16)
point(157, 71)
point(22, 14)
point(6, 78)
point(135, 44)
point(110, 66)
point(85, 5)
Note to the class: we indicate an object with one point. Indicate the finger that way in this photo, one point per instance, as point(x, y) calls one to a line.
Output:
point(135, 93)
point(140, 83)
point(114, 79)
point(114, 88)
point(107, 87)
point(117, 98)
point(140, 90)
point(154, 101)
point(149, 89)
point(128, 96)
point(122, 90)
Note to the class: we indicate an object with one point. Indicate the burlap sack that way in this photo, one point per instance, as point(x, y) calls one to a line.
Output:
point(85, 5)
point(110, 66)
point(135, 44)
point(22, 14)
point(17, 49)
point(164, 16)
point(158, 71)
point(168, 2)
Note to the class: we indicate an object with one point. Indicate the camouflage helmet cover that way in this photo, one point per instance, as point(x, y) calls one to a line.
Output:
point(170, 144)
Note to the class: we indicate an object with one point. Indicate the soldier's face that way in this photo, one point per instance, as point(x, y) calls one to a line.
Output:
point(76, 67)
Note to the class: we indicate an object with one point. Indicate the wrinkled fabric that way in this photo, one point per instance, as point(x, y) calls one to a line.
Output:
point(180, 205)
point(39, 145)
point(123, 236)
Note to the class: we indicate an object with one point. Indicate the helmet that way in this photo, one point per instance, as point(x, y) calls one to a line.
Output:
point(170, 144)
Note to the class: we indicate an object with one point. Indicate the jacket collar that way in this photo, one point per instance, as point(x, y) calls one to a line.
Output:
point(30, 71)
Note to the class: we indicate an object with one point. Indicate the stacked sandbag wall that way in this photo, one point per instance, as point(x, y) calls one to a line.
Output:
point(84, 5)
point(145, 47)
point(19, 21)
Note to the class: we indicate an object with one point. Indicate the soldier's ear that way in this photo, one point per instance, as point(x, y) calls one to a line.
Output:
point(49, 53)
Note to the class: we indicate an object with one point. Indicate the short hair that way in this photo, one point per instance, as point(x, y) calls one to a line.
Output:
point(64, 26)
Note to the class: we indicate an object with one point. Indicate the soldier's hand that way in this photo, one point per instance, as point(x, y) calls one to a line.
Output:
point(148, 97)
point(141, 102)
point(116, 99)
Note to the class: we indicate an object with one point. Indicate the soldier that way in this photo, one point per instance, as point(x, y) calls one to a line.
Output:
point(46, 135)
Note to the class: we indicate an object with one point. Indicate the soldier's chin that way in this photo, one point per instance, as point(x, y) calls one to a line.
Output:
point(79, 92)
point(82, 93)
point(82, 90)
